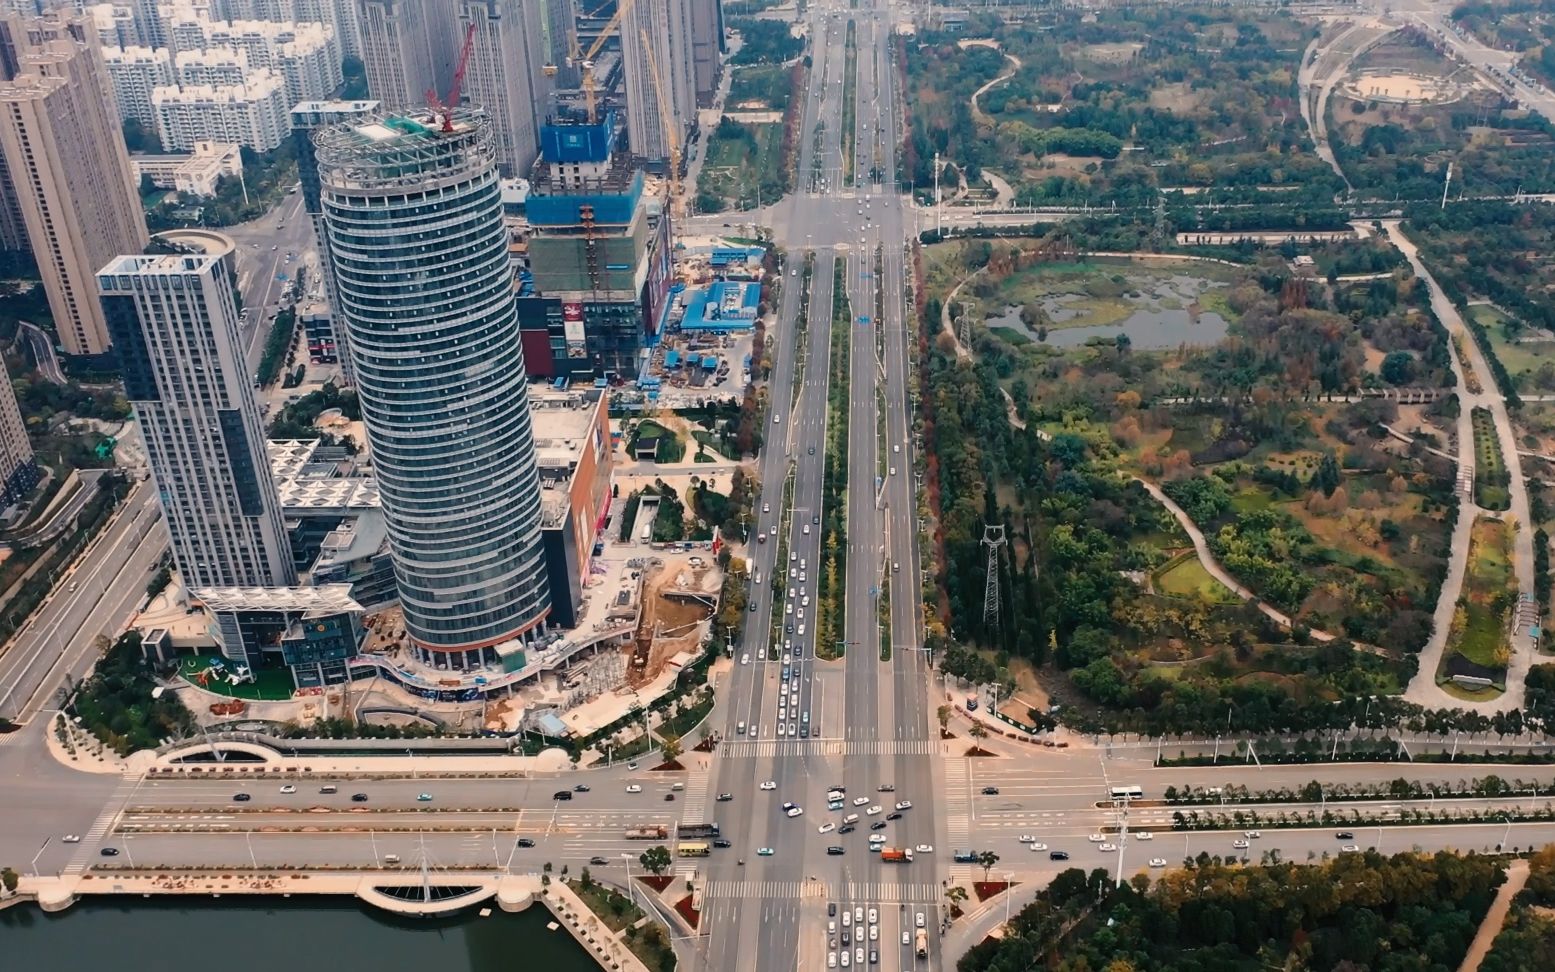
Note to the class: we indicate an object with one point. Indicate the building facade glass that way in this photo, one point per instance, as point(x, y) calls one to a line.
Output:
point(413, 211)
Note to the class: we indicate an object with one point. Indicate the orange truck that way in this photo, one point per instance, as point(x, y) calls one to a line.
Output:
point(896, 855)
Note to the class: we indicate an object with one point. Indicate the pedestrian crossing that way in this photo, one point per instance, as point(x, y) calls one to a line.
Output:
point(696, 796)
point(957, 802)
point(831, 747)
point(10, 737)
point(881, 892)
point(104, 822)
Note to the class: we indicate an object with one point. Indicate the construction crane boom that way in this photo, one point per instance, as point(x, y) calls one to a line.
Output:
point(585, 60)
point(439, 107)
point(667, 121)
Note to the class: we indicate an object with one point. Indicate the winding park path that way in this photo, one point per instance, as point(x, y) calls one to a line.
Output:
point(977, 112)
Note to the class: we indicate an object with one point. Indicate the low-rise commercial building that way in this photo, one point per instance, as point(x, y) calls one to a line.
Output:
point(313, 631)
point(195, 174)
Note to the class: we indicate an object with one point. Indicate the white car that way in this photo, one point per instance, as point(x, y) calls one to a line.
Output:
point(1349, 849)
point(1107, 848)
point(874, 933)
point(876, 839)
point(1240, 844)
point(826, 828)
point(860, 801)
point(1143, 835)
point(781, 730)
point(1157, 862)
point(831, 960)
point(289, 788)
point(873, 810)
point(71, 839)
point(769, 785)
point(924, 848)
point(766, 507)
point(745, 659)
point(1096, 838)
point(796, 811)
point(1038, 846)
point(1027, 838)
point(634, 788)
point(904, 805)
point(874, 916)
point(1252, 835)
point(845, 958)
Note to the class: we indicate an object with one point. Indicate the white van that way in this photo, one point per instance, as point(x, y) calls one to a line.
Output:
point(851, 818)
point(740, 729)
point(678, 786)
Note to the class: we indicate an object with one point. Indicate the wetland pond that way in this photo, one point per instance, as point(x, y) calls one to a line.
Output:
point(1158, 310)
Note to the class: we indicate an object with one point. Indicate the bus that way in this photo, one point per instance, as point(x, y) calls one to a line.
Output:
point(1128, 793)
point(695, 848)
point(696, 831)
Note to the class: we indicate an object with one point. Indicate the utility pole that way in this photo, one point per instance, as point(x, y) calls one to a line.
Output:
point(938, 228)
point(993, 539)
point(1445, 184)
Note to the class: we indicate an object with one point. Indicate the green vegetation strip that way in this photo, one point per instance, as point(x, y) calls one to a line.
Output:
point(849, 110)
point(1491, 477)
point(834, 481)
point(276, 344)
point(779, 581)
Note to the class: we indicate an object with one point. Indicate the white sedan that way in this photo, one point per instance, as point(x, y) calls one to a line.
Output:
point(1027, 838)
point(1157, 862)
point(1107, 848)
point(904, 805)
point(769, 785)
point(1038, 846)
point(634, 788)
point(1096, 838)
point(1143, 835)
point(924, 848)
point(826, 828)
point(795, 811)
point(289, 788)
point(860, 801)
point(1240, 844)
point(873, 810)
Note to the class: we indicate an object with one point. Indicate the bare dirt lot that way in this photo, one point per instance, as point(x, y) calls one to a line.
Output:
point(673, 617)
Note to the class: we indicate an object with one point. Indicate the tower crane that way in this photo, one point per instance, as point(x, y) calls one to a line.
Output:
point(439, 108)
point(667, 122)
point(584, 60)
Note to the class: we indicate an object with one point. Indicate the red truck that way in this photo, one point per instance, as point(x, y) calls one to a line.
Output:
point(896, 855)
point(647, 833)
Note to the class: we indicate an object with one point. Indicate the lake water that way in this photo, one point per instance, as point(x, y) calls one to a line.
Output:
point(279, 935)
point(1158, 319)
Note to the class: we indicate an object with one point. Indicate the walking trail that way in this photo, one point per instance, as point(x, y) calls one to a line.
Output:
point(1516, 877)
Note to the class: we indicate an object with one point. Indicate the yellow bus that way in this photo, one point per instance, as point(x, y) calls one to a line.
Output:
point(694, 848)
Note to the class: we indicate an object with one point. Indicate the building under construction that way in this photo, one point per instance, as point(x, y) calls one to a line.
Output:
point(599, 256)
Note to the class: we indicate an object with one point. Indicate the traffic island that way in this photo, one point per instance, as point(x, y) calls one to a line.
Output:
point(686, 911)
point(657, 882)
point(990, 889)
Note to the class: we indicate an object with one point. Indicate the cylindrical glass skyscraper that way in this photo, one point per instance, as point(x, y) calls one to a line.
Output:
point(420, 255)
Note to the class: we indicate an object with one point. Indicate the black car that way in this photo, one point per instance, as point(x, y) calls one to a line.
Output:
point(886, 788)
point(1058, 855)
point(581, 788)
point(358, 798)
point(990, 791)
point(725, 797)
point(723, 842)
point(109, 852)
point(837, 789)
point(242, 797)
point(831, 909)
point(1344, 835)
point(877, 825)
point(835, 850)
point(562, 795)
point(669, 797)
point(874, 957)
point(846, 829)
point(815, 518)
point(599, 861)
point(812, 450)
point(526, 842)
point(894, 816)
point(847, 937)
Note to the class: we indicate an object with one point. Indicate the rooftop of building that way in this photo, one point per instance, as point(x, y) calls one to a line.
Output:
point(307, 483)
point(727, 305)
point(360, 536)
point(324, 599)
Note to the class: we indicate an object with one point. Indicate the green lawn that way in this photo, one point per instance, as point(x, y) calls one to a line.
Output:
point(1489, 574)
point(1520, 358)
point(1186, 577)
point(612, 907)
point(268, 684)
point(743, 167)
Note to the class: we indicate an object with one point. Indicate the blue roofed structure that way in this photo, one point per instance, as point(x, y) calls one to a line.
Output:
point(726, 305)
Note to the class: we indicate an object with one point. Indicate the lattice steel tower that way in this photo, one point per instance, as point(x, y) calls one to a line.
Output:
point(993, 539)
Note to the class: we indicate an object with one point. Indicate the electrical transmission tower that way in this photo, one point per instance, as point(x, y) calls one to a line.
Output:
point(993, 539)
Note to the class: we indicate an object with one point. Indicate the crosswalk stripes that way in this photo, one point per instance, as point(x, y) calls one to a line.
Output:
point(892, 892)
point(696, 796)
point(104, 822)
point(765, 889)
point(10, 738)
point(766, 749)
point(957, 802)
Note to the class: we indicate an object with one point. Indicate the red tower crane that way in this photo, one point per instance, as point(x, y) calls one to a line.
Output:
point(436, 103)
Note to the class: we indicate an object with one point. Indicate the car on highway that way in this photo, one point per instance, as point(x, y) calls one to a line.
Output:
point(423, 798)
point(918, 920)
point(874, 933)
point(769, 785)
point(793, 810)
point(1143, 835)
point(764, 852)
point(906, 938)
point(745, 659)
point(242, 797)
point(874, 916)
point(894, 816)
point(1348, 849)
point(1107, 848)
point(846, 829)
point(888, 788)
point(1344, 835)
point(358, 798)
point(831, 960)
point(331, 788)
point(1037, 845)
point(669, 798)
point(904, 804)
point(562, 795)
point(875, 841)
point(634, 788)
point(109, 852)
point(873, 810)
point(723, 843)
point(924, 848)
point(288, 788)
point(990, 791)
point(1240, 844)
point(1096, 838)
point(1252, 835)
point(766, 507)
point(877, 825)
point(1026, 838)
point(860, 801)
point(71, 839)
point(725, 797)
point(1058, 855)
point(526, 842)
point(599, 861)
point(826, 828)
point(836, 850)
point(632, 765)
point(845, 959)
point(1157, 862)
point(581, 788)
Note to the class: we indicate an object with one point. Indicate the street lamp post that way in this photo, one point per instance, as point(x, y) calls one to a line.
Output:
point(34, 866)
point(248, 840)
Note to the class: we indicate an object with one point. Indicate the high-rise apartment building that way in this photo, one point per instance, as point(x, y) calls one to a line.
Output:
point(560, 27)
point(506, 75)
point(174, 318)
point(18, 469)
point(136, 72)
point(252, 114)
point(599, 259)
point(409, 47)
point(656, 51)
point(707, 48)
point(63, 146)
point(307, 118)
point(413, 216)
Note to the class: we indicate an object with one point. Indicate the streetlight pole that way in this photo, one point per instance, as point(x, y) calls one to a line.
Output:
point(34, 866)
point(248, 839)
point(1008, 894)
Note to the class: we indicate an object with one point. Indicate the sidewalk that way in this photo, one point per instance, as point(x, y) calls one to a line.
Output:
point(589, 929)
